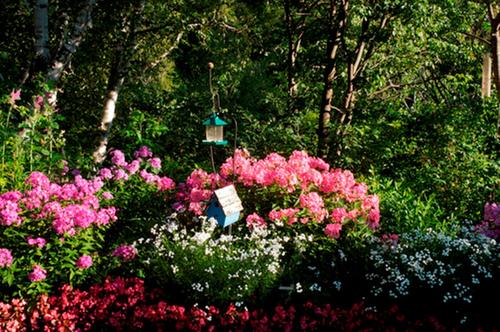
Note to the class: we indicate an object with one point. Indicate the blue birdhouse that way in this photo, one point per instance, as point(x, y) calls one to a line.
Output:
point(225, 206)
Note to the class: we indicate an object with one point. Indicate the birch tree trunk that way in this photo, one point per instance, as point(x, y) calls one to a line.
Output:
point(41, 23)
point(123, 54)
point(63, 56)
point(115, 82)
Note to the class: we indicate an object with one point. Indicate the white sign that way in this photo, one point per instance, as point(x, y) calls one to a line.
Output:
point(229, 200)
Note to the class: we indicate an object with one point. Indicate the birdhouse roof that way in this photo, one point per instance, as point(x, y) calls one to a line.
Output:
point(228, 200)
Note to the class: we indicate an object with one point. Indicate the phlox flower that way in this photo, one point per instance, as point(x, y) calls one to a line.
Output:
point(107, 195)
point(155, 163)
point(178, 206)
point(84, 262)
point(39, 102)
point(13, 196)
point(37, 274)
point(9, 213)
point(254, 220)
point(39, 241)
point(125, 252)
point(165, 183)
point(133, 167)
point(38, 179)
point(373, 218)
point(5, 257)
point(118, 158)
point(339, 214)
point(106, 173)
point(333, 230)
point(120, 174)
point(492, 212)
point(143, 152)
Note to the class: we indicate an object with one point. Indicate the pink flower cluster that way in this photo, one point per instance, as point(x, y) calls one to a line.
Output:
point(322, 195)
point(37, 274)
point(122, 170)
point(490, 226)
point(125, 304)
point(125, 252)
point(84, 262)
point(70, 206)
point(5, 258)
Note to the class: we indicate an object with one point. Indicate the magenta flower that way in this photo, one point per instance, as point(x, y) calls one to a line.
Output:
point(39, 241)
point(84, 262)
point(105, 173)
point(5, 257)
point(155, 163)
point(118, 158)
point(333, 230)
point(125, 252)
point(37, 274)
point(143, 152)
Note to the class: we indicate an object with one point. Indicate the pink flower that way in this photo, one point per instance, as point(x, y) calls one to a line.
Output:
point(339, 214)
point(107, 195)
point(118, 158)
point(143, 152)
point(155, 163)
point(105, 173)
point(164, 183)
point(39, 102)
point(125, 252)
point(179, 207)
point(37, 274)
point(5, 257)
point(373, 218)
point(120, 174)
point(254, 220)
point(333, 230)
point(39, 241)
point(14, 95)
point(133, 167)
point(84, 262)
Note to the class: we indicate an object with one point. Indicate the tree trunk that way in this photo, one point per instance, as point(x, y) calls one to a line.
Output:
point(495, 51)
point(42, 55)
point(63, 56)
point(123, 55)
point(292, 55)
point(115, 82)
point(338, 21)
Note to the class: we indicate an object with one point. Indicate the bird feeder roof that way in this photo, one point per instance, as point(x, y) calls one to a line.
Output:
point(214, 120)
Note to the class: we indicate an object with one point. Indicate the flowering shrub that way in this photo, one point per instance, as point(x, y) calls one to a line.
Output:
point(48, 229)
point(205, 265)
point(297, 190)
point(435, 267)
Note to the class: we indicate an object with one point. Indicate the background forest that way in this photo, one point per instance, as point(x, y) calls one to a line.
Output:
point(405, 94)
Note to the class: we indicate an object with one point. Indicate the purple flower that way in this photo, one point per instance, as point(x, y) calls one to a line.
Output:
point(143, 152)
point(37, 274)
point(125, 252)
point(5, 257)
point(84, 262)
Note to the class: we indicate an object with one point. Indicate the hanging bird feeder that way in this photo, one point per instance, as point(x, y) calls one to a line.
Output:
point(214, 130)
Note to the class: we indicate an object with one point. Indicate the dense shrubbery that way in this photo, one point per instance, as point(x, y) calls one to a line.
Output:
point(309, 232)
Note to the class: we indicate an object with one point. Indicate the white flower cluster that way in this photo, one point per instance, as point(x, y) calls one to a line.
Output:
point(449, 265)
point(206, 255)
